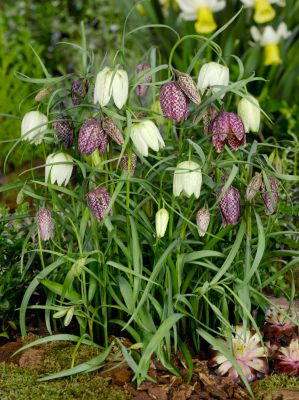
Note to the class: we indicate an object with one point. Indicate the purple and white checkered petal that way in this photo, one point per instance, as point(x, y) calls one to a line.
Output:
point(45, 223)
point(90, 136)
point(98, 201)
point(142, 88)
point(174, 103)
point(236, 126)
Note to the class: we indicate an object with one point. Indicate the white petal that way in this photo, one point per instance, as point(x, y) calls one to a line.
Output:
point(138, 140)
point(177, 183)
point(120, 88)
point(269, 36)
point(256, 34)
point(216, 5)
point(103, 90)
point(282, 31)
point(248, 3)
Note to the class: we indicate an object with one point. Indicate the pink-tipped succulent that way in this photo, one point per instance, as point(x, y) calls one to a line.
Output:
point(125, 163)
point(229, 206)
point(187, 85)
point(79, 90)
point(278, 324)
point(247, 351)
point(270, 201)
point(65, 130)
point(98, 201)
point(142, 89)
point(202, 221)
point(113, 131)
point(174, 103)
point(228, 127)
point(91, 137)
point(45, 223)
point(287, 358)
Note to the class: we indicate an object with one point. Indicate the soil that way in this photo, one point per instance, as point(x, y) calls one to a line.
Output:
point(114, 381)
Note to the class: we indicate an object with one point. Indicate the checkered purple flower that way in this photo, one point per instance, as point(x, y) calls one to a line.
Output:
point(174, 103)
point(113, 131)
point(270, 201)
point(45, 223)
point(142, 88)
point(229, 206)
point(98, 201)
point(79, 90)
point(65, 130)
point(228, 128)
point(125, 163)
point(91, 137)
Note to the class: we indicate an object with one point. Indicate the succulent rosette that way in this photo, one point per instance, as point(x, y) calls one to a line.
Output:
point(249, 353)
point(287, 358)
point(278, 324)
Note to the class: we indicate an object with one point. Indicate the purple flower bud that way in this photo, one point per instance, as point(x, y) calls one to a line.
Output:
point(142, 88)
point(65, 130)
point(174, 103)
point(228, 128)
point(45, 223)
point(112, 130)
point(202, 221)
point(79, 90)
point(187, 85)
point(91, 137)
point(125, 163)
point(98, 201)
point(229, 206)
point(270, 201)
point(253, 187)
point(210, 114)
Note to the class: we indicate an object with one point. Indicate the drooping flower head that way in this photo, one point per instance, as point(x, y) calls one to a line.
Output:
point(65, 130)
point(230, 206)
point(34, 124)
point(213, 76)
point(270, 200)
point(91, 137)
point(250, 113)
point(270, 39)
point(210, 114)
point(174, 103)
point(228, 128)
point(248, 352)
point(187, 85)
point(202, 221)
point(142, 89)
point(79, 90)
point(110, 83)
point(113, 131)
point(202, 12)
point(263, 10)
point(45, 223)
point(253, 187)
point(162, 218)
point(98, 201)
point(187, 179)
point(125, 163)
point(59, 168)
point(145, 135)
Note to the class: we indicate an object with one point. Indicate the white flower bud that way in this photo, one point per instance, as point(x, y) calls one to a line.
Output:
point(213, 75)
point(145, 135)
point(34, 124)
point(187, 179)
point(162, 218)
point(250, 113)
point(59, 168)
point(111, 83)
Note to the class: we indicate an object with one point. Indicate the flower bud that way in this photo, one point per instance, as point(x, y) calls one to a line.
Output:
point(173, 102)
point(253, 187)
point(142, 88)
point(65, 130)
point(34, 124)
point(187, 179)
point(202, 221)
point(98, 201)
point(229, 206)
point(43, 93)
point(146, 135)
point(79, 90)
point(270, 201)
point(112, 130)
point(92, 136)
point(213, 75)
point(210, 114)
point(228, 128)
point(250, 114)
point(162, 218)
point(125, 163)
point(59, 168)
point(188, 87)
point(45, 223)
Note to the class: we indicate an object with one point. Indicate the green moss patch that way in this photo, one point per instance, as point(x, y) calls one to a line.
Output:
point(273, 383)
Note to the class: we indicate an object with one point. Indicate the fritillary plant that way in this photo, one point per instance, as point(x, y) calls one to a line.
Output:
point(145, 225)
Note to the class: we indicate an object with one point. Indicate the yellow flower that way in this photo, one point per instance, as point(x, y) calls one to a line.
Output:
point(263, 10)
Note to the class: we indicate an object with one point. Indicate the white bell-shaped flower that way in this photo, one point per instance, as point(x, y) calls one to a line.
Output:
point(187, 179)
point(145, 135)
point(34, 124)
point(213, 75)
point(110, 83)
point(250, 113)
point(59, 168)
point(162, 218)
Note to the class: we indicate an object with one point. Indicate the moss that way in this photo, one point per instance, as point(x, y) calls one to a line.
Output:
point(18, 383)
point(273, 383)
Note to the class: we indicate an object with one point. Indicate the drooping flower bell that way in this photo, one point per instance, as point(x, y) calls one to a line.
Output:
point(187, 179)
point(202, 12)
point(202, 221)
point(79, 90)
point(187, 85)
point(125, 163)
point(34, 124)
point(65, 130)
point(162, 218)
point(98, 201)
point(287, 358)
point(250, 113)
point(263, 10)
point(113, 131)
point(145, 135)
point(110, 83)
point(228, 128)
point(59, 168)
point(142, 89)
point(45, 223)
point(253, 187)
point(270, 39)
point(91, 137)
point(230, 206)
point(174, 103)
point(213, 76)
point(210, 114)
point(270, 200)
point(249, 353)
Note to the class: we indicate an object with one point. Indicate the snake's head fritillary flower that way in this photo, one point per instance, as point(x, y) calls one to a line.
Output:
point(270, 198)
point(187, 179)
point(229, 206)
point(65, 130)
point(79, 90)
point(253, 187)
point(142, 89)
point(59, 168)
point(145, 135)
point(287, 358)
point(125, 163)
point(174, 103)
point(213, 76)
point(250, 113)
point(210, 114)
point(202, 221)
point(228, 128)
point(162, 218)
point(113, 131)
point(34, 124)
point(45, 223)
point(91, 137)
point(98, 201)
point(187, 85)
point(247, 350)
point(110, 83)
